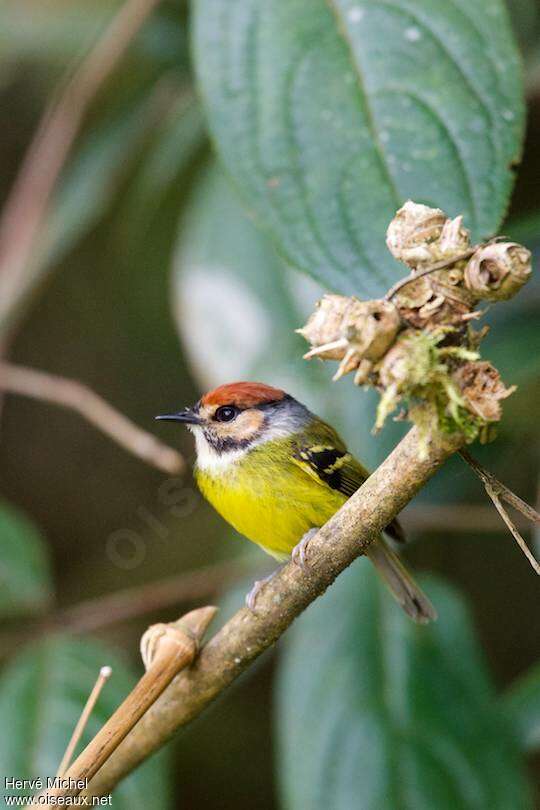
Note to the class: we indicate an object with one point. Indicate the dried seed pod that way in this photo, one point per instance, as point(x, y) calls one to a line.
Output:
point(454, 238)
point(419, 235)
point(497, 271)
point(482, 389)
point(371, 327)
point(356, 332)
point(429, 301)
point(324, 327)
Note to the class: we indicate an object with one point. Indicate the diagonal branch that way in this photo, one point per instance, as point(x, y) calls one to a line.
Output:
point(72, 394)
point(336, 545)
point(27, 205)
point(102, 611)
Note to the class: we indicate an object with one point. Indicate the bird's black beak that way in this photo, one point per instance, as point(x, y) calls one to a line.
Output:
point(188, 416)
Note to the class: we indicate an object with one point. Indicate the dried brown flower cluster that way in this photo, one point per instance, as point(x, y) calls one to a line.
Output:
point(417, 345)
point(358, 333)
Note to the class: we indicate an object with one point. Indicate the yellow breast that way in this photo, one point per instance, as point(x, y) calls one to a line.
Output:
point(269, 499)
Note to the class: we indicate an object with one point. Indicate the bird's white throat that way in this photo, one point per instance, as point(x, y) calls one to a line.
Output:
point(210, 459)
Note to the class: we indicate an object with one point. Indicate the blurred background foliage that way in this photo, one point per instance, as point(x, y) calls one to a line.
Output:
point(150, 284)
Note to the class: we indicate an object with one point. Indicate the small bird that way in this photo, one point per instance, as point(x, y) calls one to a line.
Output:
point(276, 473)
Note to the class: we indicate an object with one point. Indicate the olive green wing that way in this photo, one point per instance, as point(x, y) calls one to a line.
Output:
point(327, 460)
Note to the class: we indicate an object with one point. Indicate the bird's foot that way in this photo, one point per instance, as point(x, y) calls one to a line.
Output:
point(299, 552)
point(251, 597)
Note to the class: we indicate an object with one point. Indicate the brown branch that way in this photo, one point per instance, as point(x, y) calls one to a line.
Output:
point(499, 492)
point(27, 205)
point(427, 270)
point(168, 649)
point(129, 603)
point(346, 536)
point(72, 394)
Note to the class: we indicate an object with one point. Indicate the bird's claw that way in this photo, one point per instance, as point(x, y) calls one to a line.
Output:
point(251, 597)
point(298, 556)
point(299, 552)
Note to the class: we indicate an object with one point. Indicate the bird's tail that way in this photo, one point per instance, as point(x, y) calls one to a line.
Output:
point(402, 586)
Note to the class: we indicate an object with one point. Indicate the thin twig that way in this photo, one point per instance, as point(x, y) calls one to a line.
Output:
point(104, 675)
point(427, 270)
point(499, 492)
point(129, 603)
point(510, 523)
point(346, 536)
point(175, 647)
point(72, 394)
point(501, 489)
point(27, 205)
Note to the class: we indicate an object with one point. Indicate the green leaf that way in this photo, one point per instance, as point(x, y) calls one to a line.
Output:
point(329, 114)
point(88, 186)
point(93, 177)
point(522, 704)
point(25, 576)
point(230, 288)
point(177, 138)
point(374, 711)
point(42, 694)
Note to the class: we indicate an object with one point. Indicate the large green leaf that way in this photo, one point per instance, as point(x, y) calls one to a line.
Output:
point(177, 137)
point(375, 712)
point(92, 178)
point(522, 703)
point(329, 114)
point(42, 694)
point(25, 576)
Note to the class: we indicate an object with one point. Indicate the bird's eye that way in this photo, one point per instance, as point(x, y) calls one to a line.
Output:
point(226, 413)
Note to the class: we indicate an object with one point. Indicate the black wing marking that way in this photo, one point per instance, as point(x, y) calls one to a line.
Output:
point(339, 470)
point(334, 467)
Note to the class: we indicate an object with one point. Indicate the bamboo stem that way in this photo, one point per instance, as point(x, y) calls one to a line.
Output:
point(176, 646)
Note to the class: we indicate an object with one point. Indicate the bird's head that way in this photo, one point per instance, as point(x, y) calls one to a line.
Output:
point(232, 419)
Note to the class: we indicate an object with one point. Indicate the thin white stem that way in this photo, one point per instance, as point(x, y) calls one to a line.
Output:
point(104, 675)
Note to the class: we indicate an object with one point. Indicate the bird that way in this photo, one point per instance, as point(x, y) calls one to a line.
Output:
point(277, 472)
